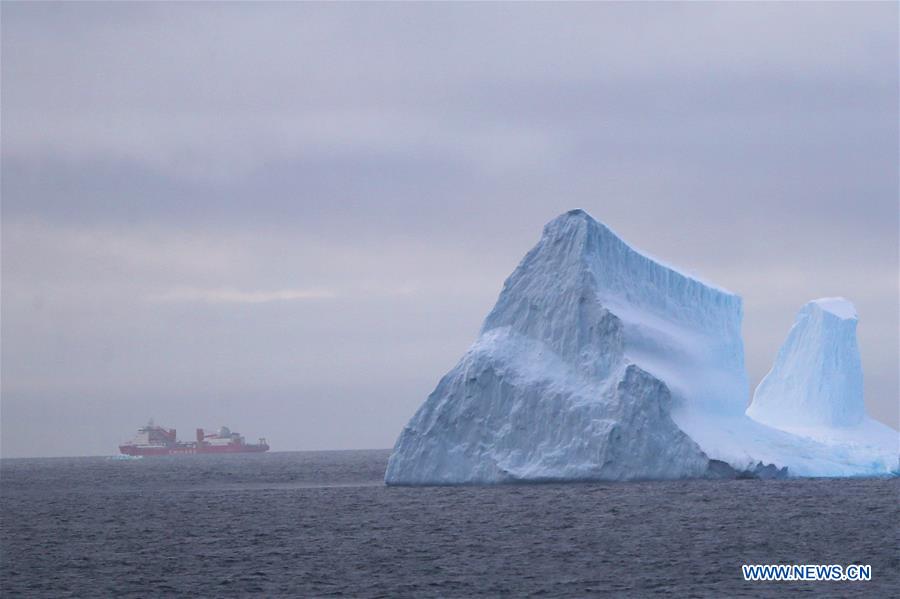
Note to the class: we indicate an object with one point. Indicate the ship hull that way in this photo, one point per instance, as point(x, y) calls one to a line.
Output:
point(190, 449)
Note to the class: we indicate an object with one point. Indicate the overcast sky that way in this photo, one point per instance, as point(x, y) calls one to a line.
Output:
point(292, 218)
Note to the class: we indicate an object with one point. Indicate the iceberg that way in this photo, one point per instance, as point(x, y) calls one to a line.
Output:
point(814, 391)
point(598, 362)
point(817, 378)
point(563, 382)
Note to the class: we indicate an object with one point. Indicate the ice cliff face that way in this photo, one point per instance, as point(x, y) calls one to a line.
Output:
point(512, 410)
point(566, 379)
point(817, 377)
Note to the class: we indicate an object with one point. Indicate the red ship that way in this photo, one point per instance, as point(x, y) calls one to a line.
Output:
point(153, 440)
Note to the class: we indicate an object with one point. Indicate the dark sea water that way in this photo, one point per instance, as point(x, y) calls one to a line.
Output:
point(322, 523)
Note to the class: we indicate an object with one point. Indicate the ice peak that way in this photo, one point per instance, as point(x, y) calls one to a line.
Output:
point(838, 306)
point(578, 235)
point(573, 229)
point(576, 214)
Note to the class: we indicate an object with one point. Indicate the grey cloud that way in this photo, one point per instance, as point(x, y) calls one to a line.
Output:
point(402, 158)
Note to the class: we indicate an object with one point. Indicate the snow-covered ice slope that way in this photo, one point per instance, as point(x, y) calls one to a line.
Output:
point(599, 363)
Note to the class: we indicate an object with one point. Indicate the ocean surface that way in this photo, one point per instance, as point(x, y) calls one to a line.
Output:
point(312, 524)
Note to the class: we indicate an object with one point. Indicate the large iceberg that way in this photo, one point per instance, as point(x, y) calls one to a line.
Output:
point(599, 363)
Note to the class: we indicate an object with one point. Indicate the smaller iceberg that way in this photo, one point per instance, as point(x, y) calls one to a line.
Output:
point(815, 390)
point(817, 378)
